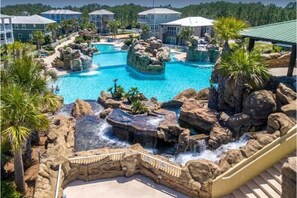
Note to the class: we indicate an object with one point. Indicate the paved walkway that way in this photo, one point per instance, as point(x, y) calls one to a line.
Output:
point(121, 187)
point(281, 71)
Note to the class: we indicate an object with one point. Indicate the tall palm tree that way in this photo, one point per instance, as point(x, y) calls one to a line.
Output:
point(53, 27)
point(186, 33)
point(67, 25)
point(227, 28)
point(24, 96)
point(113, 26)
point(38, 38)
point(20, 115)
point(242, 67)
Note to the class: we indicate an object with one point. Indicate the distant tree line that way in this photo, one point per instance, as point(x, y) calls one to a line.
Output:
point(254, 13)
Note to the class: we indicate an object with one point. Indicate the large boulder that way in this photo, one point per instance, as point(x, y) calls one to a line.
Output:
point(250, 148)
point(279, 122)
point(241, 123)
point(230, 158)
point(218, 136)
point(203, 171)
point(289, 171)
point(81, 108)
point(259, 104)
point(290, 110)
point(284, 94)
point(196, 115)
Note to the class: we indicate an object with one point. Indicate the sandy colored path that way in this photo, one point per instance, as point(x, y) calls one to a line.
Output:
point(136, 186)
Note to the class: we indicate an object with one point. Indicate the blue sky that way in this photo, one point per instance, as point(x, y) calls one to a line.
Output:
point(175, 3)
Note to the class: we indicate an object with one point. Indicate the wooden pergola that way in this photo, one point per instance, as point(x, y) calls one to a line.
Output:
point(283, 32)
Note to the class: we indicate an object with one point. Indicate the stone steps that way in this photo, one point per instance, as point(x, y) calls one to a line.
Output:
point(265, 185)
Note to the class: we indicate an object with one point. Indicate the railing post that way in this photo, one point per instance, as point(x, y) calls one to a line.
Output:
point(58, 182)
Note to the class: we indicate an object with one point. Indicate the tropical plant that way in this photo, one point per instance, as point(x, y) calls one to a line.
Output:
point(132, 95)
point(119, 93)
point(38, 38)
point(243, 68)
point(145, 30)
point(53, 27)
point(69, 25)
point(8, 190)
point(24, 96)
point(20, 114)
point(186, 33)
point(227, 28)
point(138, 107)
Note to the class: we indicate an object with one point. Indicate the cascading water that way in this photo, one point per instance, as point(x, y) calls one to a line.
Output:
point(214, 155)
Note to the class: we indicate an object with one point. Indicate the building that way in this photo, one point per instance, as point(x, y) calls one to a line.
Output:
point(6, 30)
point(60, 15)
point(100, 18)
point(154, 17)
point(24, 26)
point(170, 30)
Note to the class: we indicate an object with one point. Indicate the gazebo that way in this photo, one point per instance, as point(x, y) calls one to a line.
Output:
point(283, 32)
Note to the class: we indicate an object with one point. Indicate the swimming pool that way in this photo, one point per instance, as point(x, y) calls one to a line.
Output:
point(105, 47)
point(178, 76)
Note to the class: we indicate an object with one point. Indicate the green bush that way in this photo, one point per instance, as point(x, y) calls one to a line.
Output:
point(79, 40)
point(139, 108)
point(128, 42)
point(8, 190)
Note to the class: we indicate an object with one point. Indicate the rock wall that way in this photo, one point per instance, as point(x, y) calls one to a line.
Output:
point(148, 56)
point(289, 171)
point(277, 59)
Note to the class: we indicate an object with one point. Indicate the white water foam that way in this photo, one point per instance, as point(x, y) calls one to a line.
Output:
point(90, 73)
point(214, 156)
point(155, 121)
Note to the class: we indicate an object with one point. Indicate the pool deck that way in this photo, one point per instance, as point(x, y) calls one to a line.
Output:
point(132, 187)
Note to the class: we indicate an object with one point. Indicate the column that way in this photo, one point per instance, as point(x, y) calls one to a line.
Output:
point(292, 61)
point(251, 44)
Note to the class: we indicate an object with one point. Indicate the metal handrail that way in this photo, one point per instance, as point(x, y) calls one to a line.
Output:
point(58, 181)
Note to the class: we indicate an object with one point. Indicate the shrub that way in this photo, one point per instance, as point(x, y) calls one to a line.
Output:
point(8, 190)
point(128, 42)
point(79, 40)
point(139, 108)
point(133, 95)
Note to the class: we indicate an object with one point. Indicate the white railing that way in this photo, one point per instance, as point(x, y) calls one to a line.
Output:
point(96, 158)
point(161, 164)
point(58, 181)
point(153, 161)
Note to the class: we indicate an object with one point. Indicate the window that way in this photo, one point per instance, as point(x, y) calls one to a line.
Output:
point(16, 26)
point(154, 27)
point(23, 26)
point(20, 36)
point(171, 30)
point(141, 16)
point(34, 25)
point(166, 16)
point(152, 16)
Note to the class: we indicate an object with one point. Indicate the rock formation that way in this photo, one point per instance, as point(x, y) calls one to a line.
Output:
point(277, 59)
point(199, 50)
point(148, 56)
point(81, 108)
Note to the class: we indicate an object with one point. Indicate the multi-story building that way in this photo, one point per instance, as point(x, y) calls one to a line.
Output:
point(199, 25)
point(60, 15)
point(24, 26)
point(101, 18)
point(154, 17)
point(6, 29)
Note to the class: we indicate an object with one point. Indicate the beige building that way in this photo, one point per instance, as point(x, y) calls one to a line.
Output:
point(170, 30)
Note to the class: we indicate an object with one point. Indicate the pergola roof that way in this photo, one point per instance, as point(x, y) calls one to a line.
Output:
point(283, 32)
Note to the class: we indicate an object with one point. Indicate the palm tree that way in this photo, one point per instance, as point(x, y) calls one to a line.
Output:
point(38, 38)
point(113, 26)
point(24, 95)
point(243, 68)
point(186, 33)
point(53, 27)
point(145, 30)
point(68, 25)
point(20, 115)
point(227, 28)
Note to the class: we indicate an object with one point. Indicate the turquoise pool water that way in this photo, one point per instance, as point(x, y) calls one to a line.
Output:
point(178, 76)
point(105, 47)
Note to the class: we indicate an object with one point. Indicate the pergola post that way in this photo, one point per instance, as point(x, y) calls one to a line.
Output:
point(292, 61)
point(251, 44)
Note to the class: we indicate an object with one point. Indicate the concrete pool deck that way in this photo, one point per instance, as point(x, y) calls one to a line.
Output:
point(132, 187)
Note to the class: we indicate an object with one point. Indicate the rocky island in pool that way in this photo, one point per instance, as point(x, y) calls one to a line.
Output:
point(148, 56)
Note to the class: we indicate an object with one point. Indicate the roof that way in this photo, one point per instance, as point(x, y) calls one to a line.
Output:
point(61, 12)
point(191, 22)
point(101, 12)
point(4, 16)
point(283, 32)
point(34, 19)
point(159, 11)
